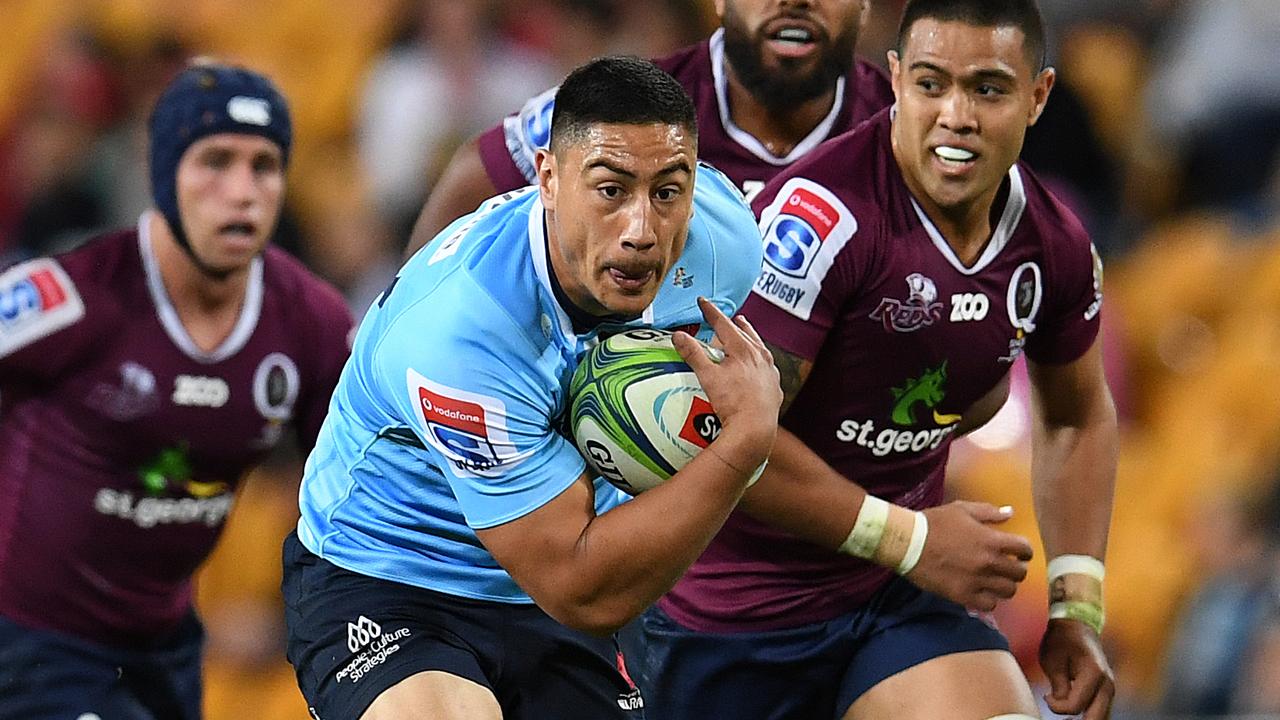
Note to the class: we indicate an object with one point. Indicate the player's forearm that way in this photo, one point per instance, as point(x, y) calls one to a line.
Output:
point(628, 557)
point(803, 495)
point(1073, 477)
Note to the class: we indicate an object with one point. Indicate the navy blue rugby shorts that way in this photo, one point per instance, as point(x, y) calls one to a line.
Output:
point(810, 672)
point(46, 675)
point(351, 637)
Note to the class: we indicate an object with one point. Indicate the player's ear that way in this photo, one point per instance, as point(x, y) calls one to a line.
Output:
point(892, 55)
point(1040, 89)
point(719, 9)
point(545, 161)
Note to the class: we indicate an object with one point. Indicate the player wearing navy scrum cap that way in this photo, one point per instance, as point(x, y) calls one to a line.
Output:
point(141, 376)
point(208, 99)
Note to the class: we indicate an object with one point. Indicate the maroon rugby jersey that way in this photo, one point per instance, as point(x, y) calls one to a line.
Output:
point(904, 338)
point(507, 150)
point(121, 443)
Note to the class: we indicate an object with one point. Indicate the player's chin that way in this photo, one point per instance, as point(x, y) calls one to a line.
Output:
point(628, 302)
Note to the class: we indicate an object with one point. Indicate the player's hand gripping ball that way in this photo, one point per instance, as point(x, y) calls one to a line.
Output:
point(637, 411)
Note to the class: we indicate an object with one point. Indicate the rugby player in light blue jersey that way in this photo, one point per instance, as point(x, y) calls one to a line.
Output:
point(454, 559)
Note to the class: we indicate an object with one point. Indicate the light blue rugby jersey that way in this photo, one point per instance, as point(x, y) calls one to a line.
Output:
point(446, 416)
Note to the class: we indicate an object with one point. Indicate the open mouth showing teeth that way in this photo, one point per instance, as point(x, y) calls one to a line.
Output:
point(796, 36)
point(954, 154)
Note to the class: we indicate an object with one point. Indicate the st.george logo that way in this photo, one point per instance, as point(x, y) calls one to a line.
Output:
point(798, 231)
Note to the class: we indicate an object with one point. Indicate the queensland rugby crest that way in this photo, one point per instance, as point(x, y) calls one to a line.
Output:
point(275, 390)
point(1022, 300)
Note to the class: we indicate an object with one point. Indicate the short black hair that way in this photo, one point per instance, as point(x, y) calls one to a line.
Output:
point(1022, 14)
point(618, 89)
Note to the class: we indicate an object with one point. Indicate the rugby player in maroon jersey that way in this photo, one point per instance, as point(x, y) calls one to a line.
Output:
point(141, 376)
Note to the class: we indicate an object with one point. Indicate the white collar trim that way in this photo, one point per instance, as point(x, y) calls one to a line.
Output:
point(749, 141)
point(1013, 209)
point(172, 324)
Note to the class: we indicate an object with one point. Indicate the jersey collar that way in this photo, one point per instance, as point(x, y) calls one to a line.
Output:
point(169, 320)
point(1013, 209)
point(746, 139)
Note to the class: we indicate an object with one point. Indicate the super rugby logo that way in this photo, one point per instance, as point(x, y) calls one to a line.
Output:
point(1092, 311)
point(798, 231)
point(805, 228)
point(37, 292)
point(537, 123)
point(530, 130)
point(468, 428)
point(36, 300)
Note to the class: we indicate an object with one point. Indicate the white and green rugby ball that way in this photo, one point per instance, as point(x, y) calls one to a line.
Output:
point(637, 412)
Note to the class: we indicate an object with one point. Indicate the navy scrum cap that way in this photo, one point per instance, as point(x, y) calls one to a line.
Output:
point(206, 99)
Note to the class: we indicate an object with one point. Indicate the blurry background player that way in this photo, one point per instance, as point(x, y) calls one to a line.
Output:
point(141, 376)
point(907, 265)
point(778, 78)
point(454, 559)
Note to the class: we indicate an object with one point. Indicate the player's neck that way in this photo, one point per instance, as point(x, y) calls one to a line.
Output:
point(208, 307)
point(779, 131)
point(967, 228)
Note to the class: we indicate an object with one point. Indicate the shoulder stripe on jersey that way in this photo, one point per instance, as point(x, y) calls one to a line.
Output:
point(37, 299)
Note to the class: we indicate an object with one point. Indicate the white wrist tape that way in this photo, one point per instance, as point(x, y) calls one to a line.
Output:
point(1076, 565)
point(1075, 590)
point(867, 529)
point(919, 532)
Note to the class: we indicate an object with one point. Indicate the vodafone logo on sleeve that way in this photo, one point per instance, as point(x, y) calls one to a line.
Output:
point(468, 428)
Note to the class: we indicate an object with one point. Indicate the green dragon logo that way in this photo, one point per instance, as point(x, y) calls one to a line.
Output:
point(171, 469)
point(926, 389)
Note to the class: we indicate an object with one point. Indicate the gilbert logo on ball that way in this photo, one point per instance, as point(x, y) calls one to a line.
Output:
point(637, 411)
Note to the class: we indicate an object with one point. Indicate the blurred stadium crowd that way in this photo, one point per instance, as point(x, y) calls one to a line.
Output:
point(1164, 131)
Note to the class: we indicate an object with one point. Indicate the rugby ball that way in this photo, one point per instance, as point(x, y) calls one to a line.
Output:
point(637, 411)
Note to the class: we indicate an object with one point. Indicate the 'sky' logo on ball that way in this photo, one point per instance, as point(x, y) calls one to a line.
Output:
point(703, 425)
